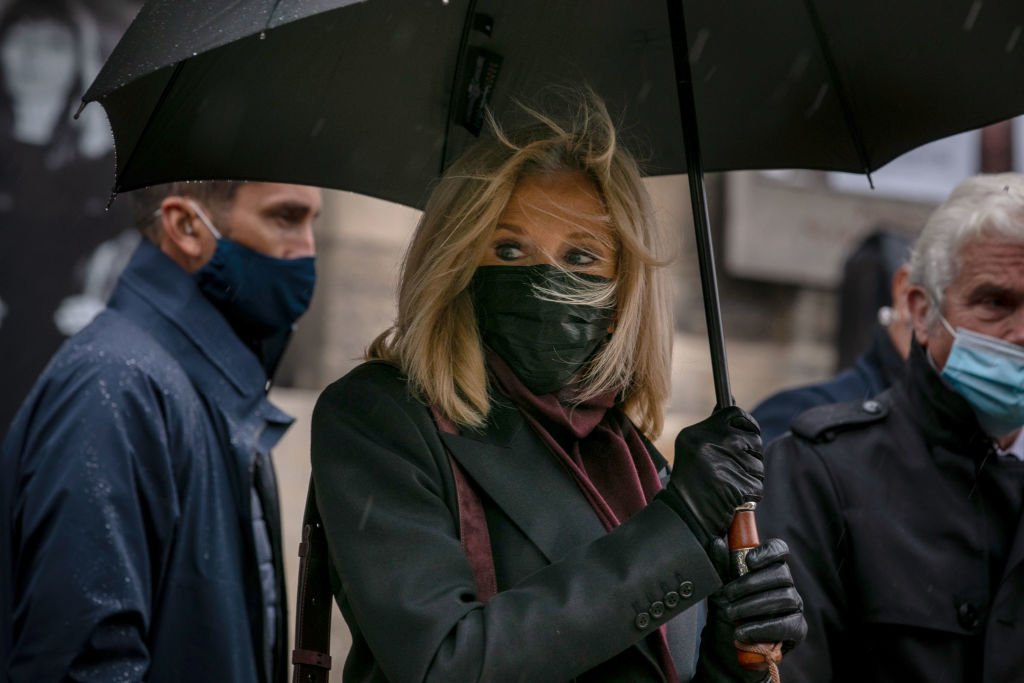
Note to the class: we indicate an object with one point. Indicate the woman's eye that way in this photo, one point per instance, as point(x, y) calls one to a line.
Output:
point(580, 257)
point(508, 251)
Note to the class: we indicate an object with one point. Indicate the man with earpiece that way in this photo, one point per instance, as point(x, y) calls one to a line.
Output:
point(139, 524)
point(874, 274)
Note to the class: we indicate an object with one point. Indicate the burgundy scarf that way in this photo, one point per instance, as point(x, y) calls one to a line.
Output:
point(602, 451)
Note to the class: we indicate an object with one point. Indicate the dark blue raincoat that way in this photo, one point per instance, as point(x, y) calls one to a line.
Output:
point(126, 538)
point(874, 372)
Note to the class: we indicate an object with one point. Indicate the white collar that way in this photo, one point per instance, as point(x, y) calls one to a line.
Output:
point(1016, 449)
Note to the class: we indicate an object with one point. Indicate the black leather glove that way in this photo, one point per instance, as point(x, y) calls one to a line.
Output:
point(761, 606)
point(718, 465)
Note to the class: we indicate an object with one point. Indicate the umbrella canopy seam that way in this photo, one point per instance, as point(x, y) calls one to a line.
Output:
point(841, 93)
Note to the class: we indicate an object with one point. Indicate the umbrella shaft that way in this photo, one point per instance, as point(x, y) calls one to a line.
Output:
point(709, 287)
point(745, 533)
point(699, 204)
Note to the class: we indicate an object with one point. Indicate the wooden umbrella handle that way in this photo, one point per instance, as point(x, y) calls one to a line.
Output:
point(742, 538)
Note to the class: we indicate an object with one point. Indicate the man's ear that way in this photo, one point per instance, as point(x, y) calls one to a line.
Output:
point(919, 303)
point(180, 238)
point(902, 326)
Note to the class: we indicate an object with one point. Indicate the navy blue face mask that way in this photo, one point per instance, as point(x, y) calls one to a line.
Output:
point(259, 295)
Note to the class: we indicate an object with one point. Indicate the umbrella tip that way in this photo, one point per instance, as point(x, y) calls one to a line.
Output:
point(871, 183)
point(81, 106)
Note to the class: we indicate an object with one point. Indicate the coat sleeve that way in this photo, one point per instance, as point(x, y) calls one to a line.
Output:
point(801, 505)
point(393, 541)
point(92, 518)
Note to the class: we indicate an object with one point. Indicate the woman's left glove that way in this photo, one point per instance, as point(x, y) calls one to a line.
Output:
point(761, 606)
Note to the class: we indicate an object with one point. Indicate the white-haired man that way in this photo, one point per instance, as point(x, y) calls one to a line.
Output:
point(903, 513)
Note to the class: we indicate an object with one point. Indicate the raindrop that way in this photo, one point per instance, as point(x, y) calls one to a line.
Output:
point(366, 513)
point(822, 91)
point(972, 15)
point(796, 71)
point(1011, 44)
point(645, 90)
point(698, 45)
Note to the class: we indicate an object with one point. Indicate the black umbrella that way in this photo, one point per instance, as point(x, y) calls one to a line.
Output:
point(377, 96)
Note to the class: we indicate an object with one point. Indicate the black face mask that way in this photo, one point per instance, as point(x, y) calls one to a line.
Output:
point(544, 342)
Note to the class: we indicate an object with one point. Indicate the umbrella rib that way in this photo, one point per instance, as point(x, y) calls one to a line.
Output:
point(452, 93)
point(273, 11)
point(837, 83)
point(149, 120)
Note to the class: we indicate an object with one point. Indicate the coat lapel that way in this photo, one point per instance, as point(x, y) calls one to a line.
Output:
point(517, 471)
point(511, 464)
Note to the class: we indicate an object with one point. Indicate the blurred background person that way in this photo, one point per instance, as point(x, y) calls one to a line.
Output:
point(55, 181)
point(872, 311)
point(865, 290)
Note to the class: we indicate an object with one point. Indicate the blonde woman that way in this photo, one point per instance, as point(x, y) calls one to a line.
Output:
point(493, 505)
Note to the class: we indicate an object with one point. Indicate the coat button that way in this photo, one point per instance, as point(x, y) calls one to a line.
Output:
point(686, 589)
point(671, 599)
point(967, 615)
point(657, 609)
point(642, 621)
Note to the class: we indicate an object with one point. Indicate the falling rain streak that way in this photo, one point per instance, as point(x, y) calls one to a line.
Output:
point(366, 513)
point(698, 45)
point(816, 105)
point(972, 15)
point(1011, 44)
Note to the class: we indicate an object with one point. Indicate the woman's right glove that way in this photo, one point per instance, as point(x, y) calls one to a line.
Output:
point(761, 606)
point(718, 465)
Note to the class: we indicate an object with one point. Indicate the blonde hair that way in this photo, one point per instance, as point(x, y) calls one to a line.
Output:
point(435, 339)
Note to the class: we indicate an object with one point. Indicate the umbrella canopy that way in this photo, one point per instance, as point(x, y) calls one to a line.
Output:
point(376, 96)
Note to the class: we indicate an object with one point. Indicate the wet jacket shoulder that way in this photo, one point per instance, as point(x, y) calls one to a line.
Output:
point(875, 371)
point(127, 557)
point(406, 589)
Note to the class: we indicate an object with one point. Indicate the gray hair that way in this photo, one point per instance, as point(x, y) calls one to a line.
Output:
point(991, 205)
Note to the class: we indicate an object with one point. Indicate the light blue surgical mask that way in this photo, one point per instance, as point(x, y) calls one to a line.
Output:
point(989, 373)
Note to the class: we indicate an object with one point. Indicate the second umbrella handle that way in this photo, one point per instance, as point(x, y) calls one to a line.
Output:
point(743, 538)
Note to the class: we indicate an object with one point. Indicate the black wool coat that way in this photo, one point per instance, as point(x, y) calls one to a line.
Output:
point(890, 508)
point(574, 602)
